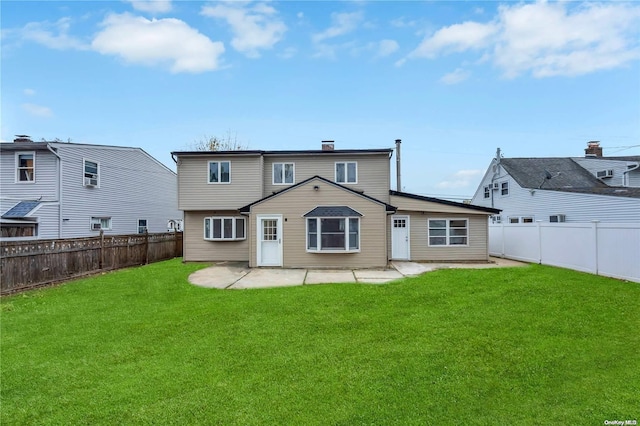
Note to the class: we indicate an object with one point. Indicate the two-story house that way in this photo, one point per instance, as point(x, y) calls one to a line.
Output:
point(65, 190)
point(316, 208)
point(527, 190)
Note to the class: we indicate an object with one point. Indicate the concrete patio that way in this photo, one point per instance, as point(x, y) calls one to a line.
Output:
point(237, 275)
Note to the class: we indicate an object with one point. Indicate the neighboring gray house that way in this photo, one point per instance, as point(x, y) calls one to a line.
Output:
point(527, 190)
point(66, 190)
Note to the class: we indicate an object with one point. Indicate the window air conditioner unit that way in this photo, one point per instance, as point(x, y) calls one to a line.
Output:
point(496, 185)
point(95, 227)
point(90, 182)
point(556, 218)
point(602, 174)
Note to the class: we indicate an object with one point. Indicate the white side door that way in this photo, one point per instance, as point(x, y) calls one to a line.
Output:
point(400, 237)
point(269, 240)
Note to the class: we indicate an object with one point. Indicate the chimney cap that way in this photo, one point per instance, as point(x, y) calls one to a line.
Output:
point(22, 138)
point(327, 145)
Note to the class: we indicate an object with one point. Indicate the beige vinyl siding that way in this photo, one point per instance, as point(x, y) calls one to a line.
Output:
point(196, 248)
point(476, 250)
point(373, 171)
point(410, 204)
point(195, 193)
point(294, 204)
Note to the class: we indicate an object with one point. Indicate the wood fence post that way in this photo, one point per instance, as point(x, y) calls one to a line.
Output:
point(175, 242)
point(146, 246)
point(101, 249)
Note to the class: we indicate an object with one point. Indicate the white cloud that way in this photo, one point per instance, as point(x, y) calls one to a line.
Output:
point(38, 110)
point(151, 6)
point(386, 47)
point(455, 38)
point(455, 77)
point(342, 23)
point(460, 179)
point(158, 41)
point(52, 35)
point(255, 27)
point(29, 92)
point(545, 39)
point(288, 53)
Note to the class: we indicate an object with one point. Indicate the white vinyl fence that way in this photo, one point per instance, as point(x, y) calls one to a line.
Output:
point(609, 249)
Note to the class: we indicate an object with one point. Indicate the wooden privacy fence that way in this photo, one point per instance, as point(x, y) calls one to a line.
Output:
point(27, 264)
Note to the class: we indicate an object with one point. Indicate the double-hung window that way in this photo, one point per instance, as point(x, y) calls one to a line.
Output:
point(90, 173)
point(283, 173)
point(504, 188)
point(219, 172)
point(448, 232)
point(487, 192)
point(347, 172)
point(333, 228)
point(224, 228)
point(142, 226)
point(26, 166)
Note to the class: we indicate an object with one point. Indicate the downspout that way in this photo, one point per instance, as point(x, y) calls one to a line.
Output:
point(58, 189)
point(398, 172)
point(625, 175)
point(496, 169)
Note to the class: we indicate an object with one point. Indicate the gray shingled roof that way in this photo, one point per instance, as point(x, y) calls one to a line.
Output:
point(565, 173)
point(332, 211)
point(22, 209)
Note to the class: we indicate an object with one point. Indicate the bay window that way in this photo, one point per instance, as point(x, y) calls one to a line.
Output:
point(333, 234)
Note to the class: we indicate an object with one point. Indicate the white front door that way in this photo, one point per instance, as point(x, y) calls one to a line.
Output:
point(269, 240)
point(400, 237)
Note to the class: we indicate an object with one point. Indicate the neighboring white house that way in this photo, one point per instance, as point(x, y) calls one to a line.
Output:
point(528, 190)
point(66, 190)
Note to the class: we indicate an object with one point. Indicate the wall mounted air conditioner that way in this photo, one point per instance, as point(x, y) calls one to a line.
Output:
point(602, 174)
point(496, 185)
point(90, 182)
point(556, 218)
point(95, 227)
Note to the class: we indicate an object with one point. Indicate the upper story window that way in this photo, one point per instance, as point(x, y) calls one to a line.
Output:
point(219, 172)
point(98, 223)
point(283, 173)
point(347, 172)
point(448, 232)
point(487, 191)
point(224, 228)
point(90, 173)
point(26, 166)
point(504, 188)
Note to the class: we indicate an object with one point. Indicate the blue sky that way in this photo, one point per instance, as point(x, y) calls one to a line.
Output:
point(453, 80)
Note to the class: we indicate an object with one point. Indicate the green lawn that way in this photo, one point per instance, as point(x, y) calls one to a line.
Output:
point(533, 345)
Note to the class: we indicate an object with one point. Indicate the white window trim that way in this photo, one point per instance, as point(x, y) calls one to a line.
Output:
point(233, 228)
point(521, 219)
point(17, 167)
point(99, 219)
point(318, 248)
point(219, 173)
point(448, 219)
point(346, 172)
point(138, 226)
point(504, 182)
point(486, 191)
point(84, 162)
point(273, 174)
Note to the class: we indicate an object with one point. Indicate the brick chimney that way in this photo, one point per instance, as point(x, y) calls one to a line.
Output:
point(327, 145)
point(593, 149)
point(22, 139)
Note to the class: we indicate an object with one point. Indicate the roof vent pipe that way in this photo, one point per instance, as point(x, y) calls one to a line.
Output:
point(398, 174)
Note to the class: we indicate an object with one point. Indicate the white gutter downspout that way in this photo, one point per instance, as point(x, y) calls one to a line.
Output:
point(58, 189)
point(626, 176)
